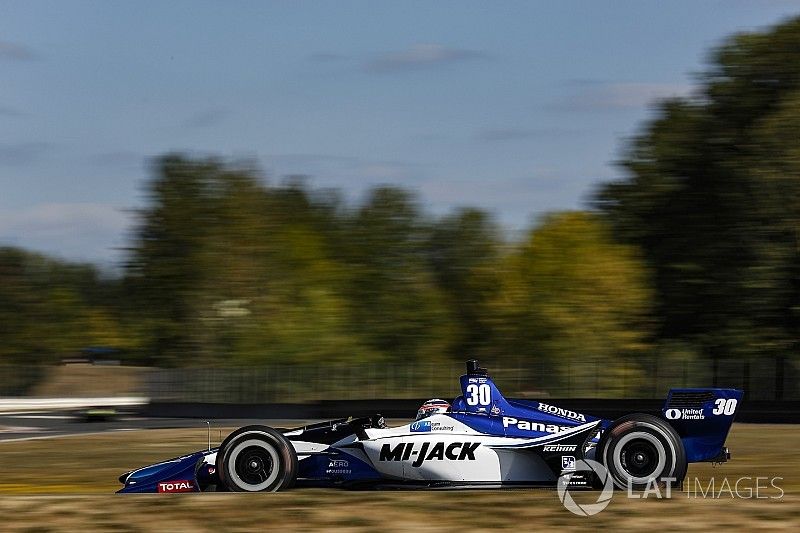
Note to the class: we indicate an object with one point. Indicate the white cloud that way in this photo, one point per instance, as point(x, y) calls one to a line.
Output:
point(419, 56)
point(601, 96)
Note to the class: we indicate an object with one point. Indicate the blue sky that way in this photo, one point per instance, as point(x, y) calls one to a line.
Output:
point(519, 108)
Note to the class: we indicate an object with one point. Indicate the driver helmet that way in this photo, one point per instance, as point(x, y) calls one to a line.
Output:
point(431, 407)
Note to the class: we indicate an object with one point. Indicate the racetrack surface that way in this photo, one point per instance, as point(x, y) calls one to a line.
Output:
point(67, 483)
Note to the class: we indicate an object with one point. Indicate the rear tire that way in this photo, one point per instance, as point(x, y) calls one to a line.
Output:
point(256, 459)
point(639, 450)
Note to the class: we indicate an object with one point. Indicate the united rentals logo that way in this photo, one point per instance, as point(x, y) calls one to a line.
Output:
point(527, 425)
point(685, 414)
point(406, 451)
point(558, 411)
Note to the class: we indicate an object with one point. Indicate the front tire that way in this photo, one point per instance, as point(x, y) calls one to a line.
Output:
point(639, 450)
point(256, 459)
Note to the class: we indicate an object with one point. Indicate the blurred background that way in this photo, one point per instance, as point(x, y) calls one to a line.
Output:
point(282, 203)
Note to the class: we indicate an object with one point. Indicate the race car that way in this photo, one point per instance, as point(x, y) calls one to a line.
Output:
point(480, 440)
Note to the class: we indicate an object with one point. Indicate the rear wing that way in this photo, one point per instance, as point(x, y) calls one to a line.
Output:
point(702, 418)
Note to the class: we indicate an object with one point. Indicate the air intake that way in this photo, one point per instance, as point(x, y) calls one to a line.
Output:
point(689, 399)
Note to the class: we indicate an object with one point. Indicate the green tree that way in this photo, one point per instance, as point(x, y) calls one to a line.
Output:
point(464, 249)
point(51, 309)
point(167, 262)
point(571, 296)
point(230, 271)
point(395, 305)
point(712, 198)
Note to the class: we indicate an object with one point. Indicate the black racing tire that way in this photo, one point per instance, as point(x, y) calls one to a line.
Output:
point(256, 459)
point(639, 449)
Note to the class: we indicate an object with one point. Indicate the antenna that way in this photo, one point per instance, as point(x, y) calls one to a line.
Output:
point(208, 424)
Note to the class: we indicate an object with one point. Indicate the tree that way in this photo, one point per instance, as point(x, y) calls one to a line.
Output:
point(167, 263)
point(51, 309)
point(712, 198)
point(395, 305)
point(570, 294)
point(463, 251)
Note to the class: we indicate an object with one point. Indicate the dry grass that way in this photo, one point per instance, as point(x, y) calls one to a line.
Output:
point(40, 480)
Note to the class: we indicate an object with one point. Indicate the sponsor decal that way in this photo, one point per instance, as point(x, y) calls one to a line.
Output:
point(560, 448)
point(338, 466)
point(528, 425)
point(428, 451)
point(564, 413)
point(211, 470)
point(438, 426)
point(567, 463)
point(421, 426)
point(495, 410)
point(565, 483)
point(685, 414)
point(182, 485)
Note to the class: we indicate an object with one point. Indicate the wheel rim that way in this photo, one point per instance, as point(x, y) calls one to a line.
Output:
point(253, 465)
point(639, 458)
point(640, 443)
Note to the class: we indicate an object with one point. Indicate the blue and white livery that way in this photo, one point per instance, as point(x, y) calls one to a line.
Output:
point(484, 440)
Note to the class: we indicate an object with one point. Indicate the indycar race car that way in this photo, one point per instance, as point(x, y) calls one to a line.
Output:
point(482, 440)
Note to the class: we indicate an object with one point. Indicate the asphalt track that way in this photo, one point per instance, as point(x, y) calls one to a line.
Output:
point(38, 425)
